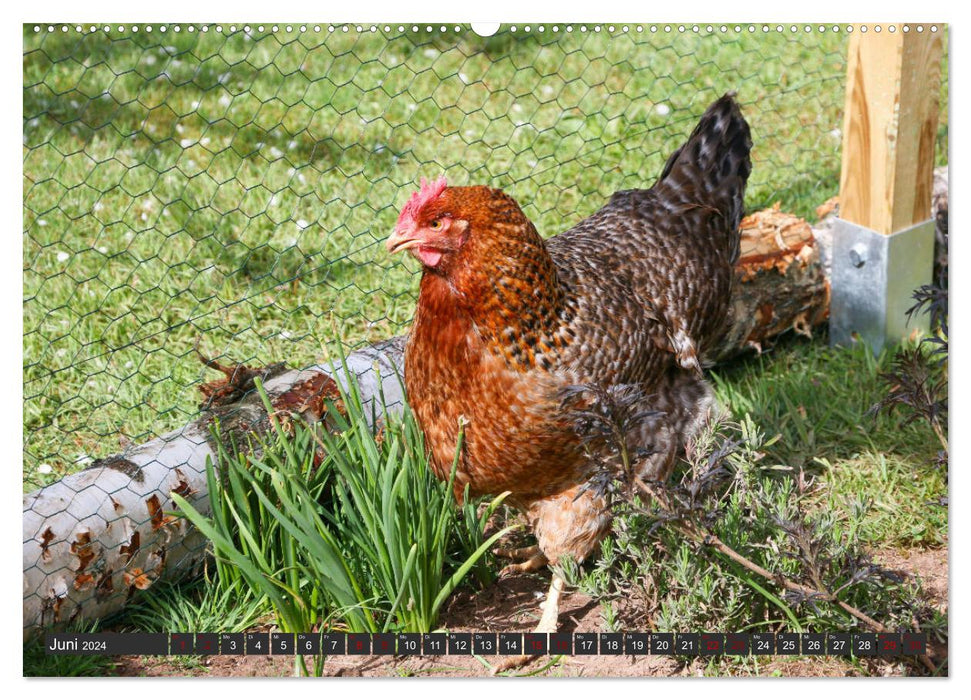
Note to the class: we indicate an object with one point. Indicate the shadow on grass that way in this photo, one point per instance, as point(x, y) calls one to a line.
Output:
point(818, 399)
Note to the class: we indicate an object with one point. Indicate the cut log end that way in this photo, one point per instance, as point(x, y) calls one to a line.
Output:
point(780, 283)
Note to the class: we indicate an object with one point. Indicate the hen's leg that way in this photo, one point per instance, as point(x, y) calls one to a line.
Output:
point(551, 607)
point(548, 623)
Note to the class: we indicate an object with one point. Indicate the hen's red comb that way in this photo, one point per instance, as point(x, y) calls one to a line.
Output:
point(428, 192)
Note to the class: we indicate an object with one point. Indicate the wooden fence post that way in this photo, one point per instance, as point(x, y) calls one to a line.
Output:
point(884, 238)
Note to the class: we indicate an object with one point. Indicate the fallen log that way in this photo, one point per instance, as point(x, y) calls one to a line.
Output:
point(95, 538)
point(780, 284)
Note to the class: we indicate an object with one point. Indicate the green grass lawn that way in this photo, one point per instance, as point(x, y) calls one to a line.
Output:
point(818, 401)
point(236, 188)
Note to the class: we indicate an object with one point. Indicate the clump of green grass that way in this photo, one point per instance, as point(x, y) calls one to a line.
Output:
point(342, 525)
point(199, 606)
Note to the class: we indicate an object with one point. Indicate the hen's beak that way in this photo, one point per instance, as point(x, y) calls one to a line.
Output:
point(402, 239)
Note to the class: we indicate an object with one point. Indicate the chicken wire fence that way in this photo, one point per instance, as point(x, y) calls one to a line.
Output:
point(231, 185)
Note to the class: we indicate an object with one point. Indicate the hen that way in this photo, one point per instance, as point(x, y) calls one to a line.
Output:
point(506, 323)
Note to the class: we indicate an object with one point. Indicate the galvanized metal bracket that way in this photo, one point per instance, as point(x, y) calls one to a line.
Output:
point(873, 280)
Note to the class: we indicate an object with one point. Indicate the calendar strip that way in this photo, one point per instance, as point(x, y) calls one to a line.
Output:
point(493, 644)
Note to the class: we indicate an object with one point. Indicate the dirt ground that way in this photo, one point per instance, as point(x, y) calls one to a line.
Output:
point(512, 604)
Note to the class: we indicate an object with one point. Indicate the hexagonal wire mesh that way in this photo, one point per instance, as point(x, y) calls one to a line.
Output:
point(232, 184)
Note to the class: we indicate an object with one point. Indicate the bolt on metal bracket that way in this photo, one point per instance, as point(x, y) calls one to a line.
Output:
point(873, 280)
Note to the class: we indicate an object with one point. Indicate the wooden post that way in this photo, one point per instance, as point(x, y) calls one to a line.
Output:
point(890, 128)
point(883, 241)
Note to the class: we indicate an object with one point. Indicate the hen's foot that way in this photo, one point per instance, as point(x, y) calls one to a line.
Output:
point(535, 562)
point(517, 552)
point(548, 623)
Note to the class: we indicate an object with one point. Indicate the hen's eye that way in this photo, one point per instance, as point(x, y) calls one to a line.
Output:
point(436, 225)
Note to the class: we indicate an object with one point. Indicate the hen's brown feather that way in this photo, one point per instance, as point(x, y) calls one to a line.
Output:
point(634, 294)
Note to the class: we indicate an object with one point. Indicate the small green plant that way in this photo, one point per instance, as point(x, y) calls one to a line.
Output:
point(731, 544)
point(342, 524)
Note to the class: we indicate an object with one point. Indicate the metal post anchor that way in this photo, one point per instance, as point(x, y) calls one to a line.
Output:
point(873, 281)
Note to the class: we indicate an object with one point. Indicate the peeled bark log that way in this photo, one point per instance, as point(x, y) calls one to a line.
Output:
point(780, 284)
point(95, 538)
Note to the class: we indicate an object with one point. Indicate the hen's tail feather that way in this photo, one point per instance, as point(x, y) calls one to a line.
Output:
point(713, 165)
